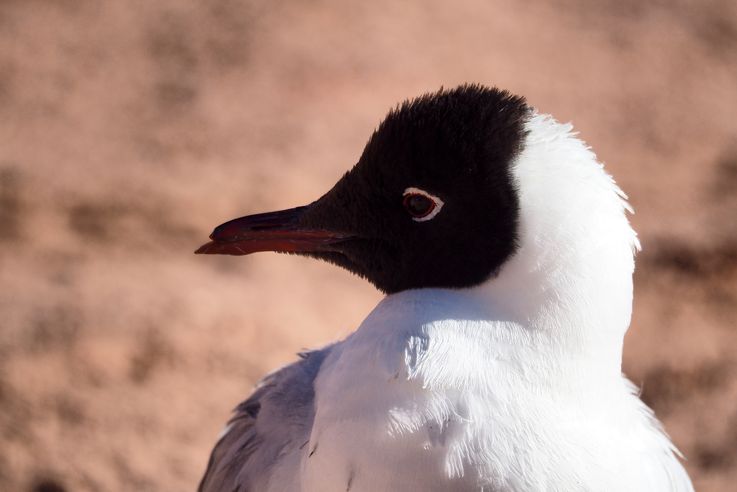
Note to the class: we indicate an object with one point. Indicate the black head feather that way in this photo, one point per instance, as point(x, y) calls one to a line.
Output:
point(457, 145)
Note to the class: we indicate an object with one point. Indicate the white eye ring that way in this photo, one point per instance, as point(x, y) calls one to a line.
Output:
point(437, 201)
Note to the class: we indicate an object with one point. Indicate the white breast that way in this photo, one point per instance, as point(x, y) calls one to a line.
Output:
point(430, 407)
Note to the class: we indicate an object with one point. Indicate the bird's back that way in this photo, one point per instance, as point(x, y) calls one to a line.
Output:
point(263, 441)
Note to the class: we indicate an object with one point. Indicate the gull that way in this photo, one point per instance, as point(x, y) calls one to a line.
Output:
point(494, 361)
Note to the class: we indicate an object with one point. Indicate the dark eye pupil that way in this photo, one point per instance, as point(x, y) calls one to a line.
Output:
point(418, 205)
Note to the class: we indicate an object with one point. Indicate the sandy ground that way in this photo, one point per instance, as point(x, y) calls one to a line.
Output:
point(129, 129)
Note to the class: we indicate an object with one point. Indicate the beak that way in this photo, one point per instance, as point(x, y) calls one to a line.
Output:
point(272, 231)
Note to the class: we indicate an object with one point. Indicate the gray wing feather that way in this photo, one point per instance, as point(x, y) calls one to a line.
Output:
point(275, 419)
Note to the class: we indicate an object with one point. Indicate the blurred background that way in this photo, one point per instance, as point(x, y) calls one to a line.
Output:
point(128, 129)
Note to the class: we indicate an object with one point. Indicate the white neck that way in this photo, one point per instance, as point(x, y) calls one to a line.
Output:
point(570, 283)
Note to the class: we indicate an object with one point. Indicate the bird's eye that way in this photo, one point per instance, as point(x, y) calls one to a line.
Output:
point(420, 204)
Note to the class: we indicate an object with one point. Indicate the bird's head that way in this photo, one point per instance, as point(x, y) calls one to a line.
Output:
point(430, 203)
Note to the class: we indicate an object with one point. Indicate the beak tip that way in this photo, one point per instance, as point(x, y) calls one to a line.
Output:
point(204, 249)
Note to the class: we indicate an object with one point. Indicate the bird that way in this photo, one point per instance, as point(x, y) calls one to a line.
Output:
point(494, 361)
